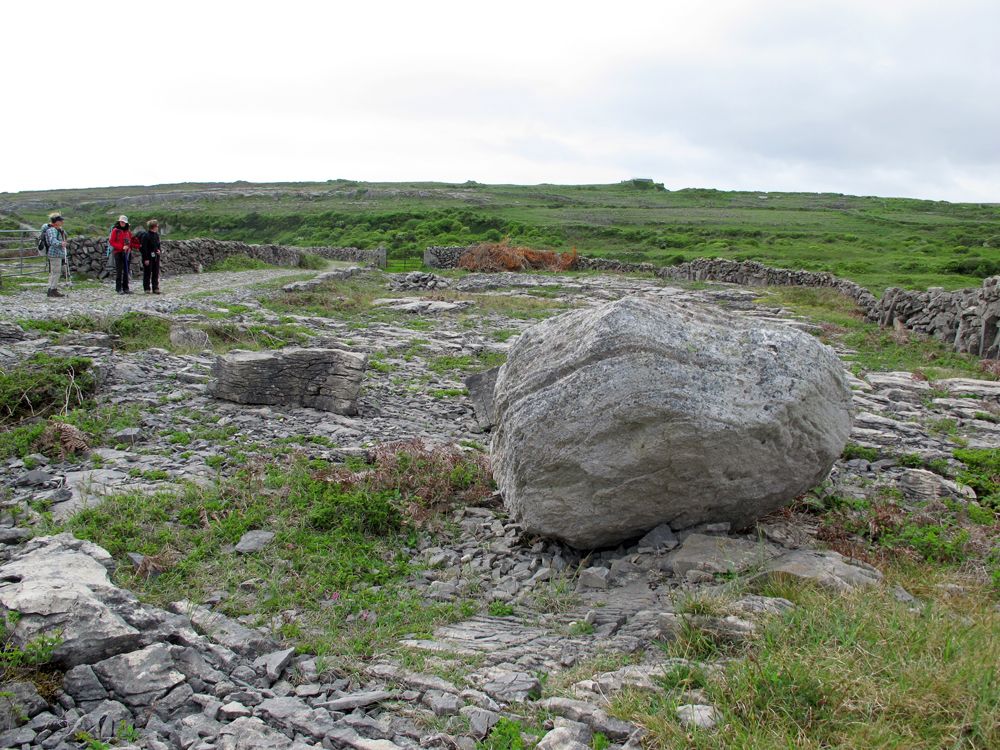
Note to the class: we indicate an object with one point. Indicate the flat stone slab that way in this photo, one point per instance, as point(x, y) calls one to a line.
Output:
point(254, 541)
point(87, 488)
point(424, 306)
point(718, 554)
point(224, 630)
point(509, 687)
point(703, 717)
point(826, 568)
point(357, 700)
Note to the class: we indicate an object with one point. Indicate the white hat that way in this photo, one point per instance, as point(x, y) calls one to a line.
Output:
point(124, 218)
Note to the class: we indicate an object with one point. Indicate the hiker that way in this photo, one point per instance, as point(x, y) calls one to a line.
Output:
point(149, 247)
point(55, 244)
point(121, 245)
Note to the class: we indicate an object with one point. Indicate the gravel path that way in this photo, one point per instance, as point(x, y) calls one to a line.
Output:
point(91, 297)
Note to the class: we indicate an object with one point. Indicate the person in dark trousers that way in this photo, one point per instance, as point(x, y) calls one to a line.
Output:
point(149, 247)
point(55, 247)
point(121, 245)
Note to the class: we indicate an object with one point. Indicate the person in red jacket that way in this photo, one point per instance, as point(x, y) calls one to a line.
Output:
point(121, 245)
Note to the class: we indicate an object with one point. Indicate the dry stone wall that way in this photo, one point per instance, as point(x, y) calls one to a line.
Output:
point(443, 257)
point(967, 320)
point(88, 255)
point(752, 273)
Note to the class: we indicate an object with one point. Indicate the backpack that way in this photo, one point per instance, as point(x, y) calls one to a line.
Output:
point(43, 241)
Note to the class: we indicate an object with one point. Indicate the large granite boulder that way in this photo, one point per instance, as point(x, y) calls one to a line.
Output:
point(326, 379)
point(612, 420)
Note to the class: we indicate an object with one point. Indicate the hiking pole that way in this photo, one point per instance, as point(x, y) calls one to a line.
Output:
point(65, 261)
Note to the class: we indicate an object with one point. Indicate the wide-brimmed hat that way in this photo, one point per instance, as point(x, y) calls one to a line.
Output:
point(124, 218)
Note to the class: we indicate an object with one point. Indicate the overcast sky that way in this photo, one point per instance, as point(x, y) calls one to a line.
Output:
point(870, 97)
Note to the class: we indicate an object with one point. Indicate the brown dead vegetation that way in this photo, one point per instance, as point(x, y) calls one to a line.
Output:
point(428, 478)
point(493, 257)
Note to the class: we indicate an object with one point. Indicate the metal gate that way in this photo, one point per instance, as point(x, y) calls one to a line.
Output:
point(19, 254)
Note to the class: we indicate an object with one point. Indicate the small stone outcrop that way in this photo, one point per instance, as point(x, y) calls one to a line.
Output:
point(61, 588)
point(325, 379)
point(189, 337)
point(613, 420)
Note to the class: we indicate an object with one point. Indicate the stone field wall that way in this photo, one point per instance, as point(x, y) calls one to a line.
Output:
point(967, 319)
point(87, 255)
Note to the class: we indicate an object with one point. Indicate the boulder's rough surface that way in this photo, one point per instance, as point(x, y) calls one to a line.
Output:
point(326, 379)
point(613, 420)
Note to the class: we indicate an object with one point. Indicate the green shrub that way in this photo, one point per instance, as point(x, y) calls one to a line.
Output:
point(982, 473)
point(498, 608)
point(505, 735)
point(43, 385)
point(29, 662)
point(312, 261)
point(853, 450)
point(139, 331)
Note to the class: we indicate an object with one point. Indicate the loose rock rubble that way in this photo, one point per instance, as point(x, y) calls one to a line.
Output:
point(418, 280)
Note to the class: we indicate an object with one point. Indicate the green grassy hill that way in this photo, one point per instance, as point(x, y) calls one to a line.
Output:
point(878, 242)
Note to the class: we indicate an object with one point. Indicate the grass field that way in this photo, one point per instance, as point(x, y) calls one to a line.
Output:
point(878, 242)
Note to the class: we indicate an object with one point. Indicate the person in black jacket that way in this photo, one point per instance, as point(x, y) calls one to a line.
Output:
point(149, 247)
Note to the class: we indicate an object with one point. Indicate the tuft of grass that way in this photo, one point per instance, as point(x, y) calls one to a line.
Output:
point(464, 363)
point(225, 336)
point(240, 262)
point(506, 734)
point(853, 670)
point(440, 393)
point(684, 677)
point(312, 261)
point(139, 331)
point(853, 450)
point(74, 322)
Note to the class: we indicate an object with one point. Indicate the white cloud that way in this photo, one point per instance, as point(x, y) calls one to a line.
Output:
point(895, 97)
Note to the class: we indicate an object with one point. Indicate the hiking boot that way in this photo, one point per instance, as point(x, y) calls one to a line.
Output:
point(54, 293)
point(157, 291)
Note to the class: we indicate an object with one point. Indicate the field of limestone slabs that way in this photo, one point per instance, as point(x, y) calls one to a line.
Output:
point(262, 514)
